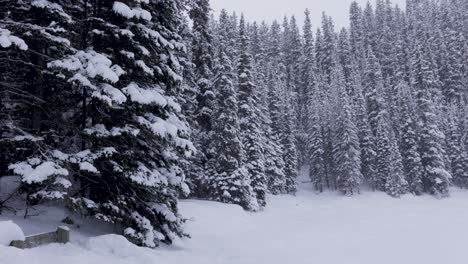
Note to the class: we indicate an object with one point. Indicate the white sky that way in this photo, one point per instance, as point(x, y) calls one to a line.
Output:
point(268, 10)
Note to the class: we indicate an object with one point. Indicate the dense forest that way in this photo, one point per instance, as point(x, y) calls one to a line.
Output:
point(117, 109)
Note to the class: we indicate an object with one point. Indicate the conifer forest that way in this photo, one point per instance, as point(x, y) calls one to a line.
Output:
point(118, 111)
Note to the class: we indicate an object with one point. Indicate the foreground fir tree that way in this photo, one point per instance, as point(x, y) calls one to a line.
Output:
point(132, 131)
point(250, 122)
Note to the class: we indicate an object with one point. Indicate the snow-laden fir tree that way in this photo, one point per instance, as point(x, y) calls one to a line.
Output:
point(366, 137)
point(132, 134)
point(289, 145)
point(346, 149)
point(274, 163)
point(250, 121)
point(456, 150)
point(345, 59)
point(202, 58)
point(374, 90)
point(409, 146)
point(267, 76)
point(436, 179)
point(228, 181)
point(315, 146)
point(325, 47)
point(384, 157)
point(305, 89)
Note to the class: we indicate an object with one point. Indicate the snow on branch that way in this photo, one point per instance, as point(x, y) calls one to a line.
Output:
point(7, 40)
point(36, 171)
point(89, 64)
point(54, 7)
point(145, 96)
point(125, 11)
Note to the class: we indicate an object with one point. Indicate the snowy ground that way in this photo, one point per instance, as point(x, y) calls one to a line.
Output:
point(309, 228)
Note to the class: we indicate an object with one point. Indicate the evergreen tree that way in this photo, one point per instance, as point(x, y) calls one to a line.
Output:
point(289, 147)
point(436, 179)
point(366, 138)
point(275, 165)
point(346, 149)
point(132, 134)
point(374, 89)
point(383, 155)
point(227, 180)
point(202, 58)
point(456, 151)
point(411, 158)
point(305, 89)
point(317, 172)
point(250, 121)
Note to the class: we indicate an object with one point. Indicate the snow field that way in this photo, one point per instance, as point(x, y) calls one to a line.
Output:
point(308, 228)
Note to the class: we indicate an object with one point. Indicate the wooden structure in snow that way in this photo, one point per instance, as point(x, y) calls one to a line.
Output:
point(61, 235)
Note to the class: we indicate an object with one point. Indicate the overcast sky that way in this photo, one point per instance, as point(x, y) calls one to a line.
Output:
point(269, 10)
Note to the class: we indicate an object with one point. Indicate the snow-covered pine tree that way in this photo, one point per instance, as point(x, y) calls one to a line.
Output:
point(132, 133)
point(227, 181)
point(436, 179)
point(326, 50)
point(305, 89)
point(356, 33)
point(202, 58)
point(315, 146)
point(346, 151)
point(274, 163)
point(374, 90)
point(456, 151)
point(366, 137)
point(383, 157)
point(409, 147)
point(345, 59)
point(266, 76)
point(289, 145)
point(250, 121)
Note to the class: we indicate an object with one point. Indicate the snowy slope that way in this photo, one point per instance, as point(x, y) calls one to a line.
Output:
point(309, 228)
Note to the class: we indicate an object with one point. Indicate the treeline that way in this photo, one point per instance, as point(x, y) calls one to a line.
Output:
point(381, 104)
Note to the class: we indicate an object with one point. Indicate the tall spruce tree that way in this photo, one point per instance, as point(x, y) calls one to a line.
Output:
point(436, 178)
point(409, 147)
point(250, 120)
point(202, 58)
point(228, 183)
point(346, 152)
